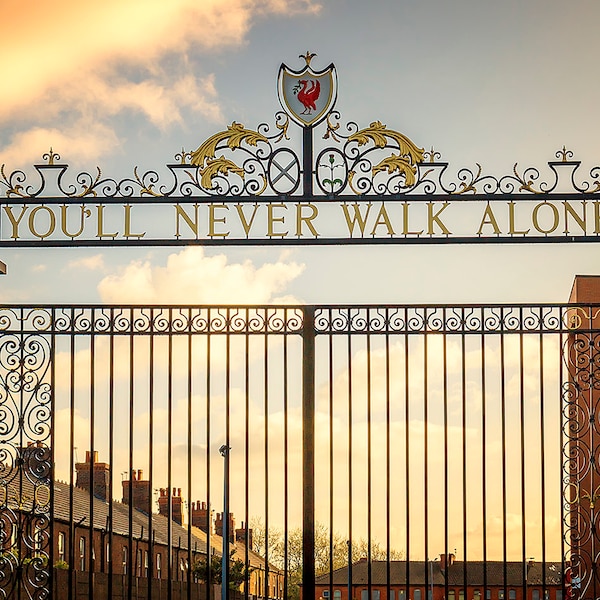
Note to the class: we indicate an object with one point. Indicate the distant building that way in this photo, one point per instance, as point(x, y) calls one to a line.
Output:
point(443, 580)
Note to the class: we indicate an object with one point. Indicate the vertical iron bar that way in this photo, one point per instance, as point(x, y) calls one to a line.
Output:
point(308, 452)
point(92, 456)
point(543, 460)
point(247, 453)
point(111, 448)
point(52, 474)
point(130, 572)
point(225, 450)
point(445, 411)
point(331, 470)
point(189, 455)
point(426, 446)
point(463, 362)
point(71, 455)
point(150, 455)
point(208, 457)
point(307, 163)
point(388, 472)
point(407, 447)
point(285, 455)
point(503, 433)
point(522, 442)
point(369, 468)
point(483, 454)
point(350, 441)
point(170, 458)
point(266, 447)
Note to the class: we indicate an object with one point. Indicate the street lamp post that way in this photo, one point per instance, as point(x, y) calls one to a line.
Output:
point(224, 451)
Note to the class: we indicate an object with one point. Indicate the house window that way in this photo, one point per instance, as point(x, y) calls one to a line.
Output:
point(476, 595)
point(82, 554)
point(546, 595)
point(559, 595)
point(417, 595)
point(392, 595)
point(337, 594)
point(500, 594)
point(325, 593)
point(61, 546)
point(145, 563)
point(512, 594)
point(139, 563)
point(488, 594)
point(401, 595)
point(450, 594)
point(158, 562)
point(107, 553)
point(124, 560)
point(461, 594)
point(535, 595)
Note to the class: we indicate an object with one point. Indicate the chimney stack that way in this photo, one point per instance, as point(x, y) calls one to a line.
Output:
point(101, 476)
point(244, 534)
point(177, 511)
point(140, 492)
point(201, 517)
point(219, 526)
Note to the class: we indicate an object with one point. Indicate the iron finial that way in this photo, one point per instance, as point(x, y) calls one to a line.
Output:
point(307, 57)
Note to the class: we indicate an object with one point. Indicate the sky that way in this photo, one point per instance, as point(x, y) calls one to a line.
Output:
point(125, 84)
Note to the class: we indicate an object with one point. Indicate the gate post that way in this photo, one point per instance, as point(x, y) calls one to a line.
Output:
point(308, 454)
point(582, 468)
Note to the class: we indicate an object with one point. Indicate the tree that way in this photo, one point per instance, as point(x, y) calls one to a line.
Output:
point(239, 572)
point(331, 551)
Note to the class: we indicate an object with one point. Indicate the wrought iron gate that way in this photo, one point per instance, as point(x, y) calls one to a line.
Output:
point(368, 436)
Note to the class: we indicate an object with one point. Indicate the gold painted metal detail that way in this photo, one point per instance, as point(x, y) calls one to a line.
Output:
point(405, 162)
point(526, 185)
point(11, 189)
point(145, 190)
point(470, 186)
point(51, 156)
point(204, 157)
point(89, 190)
point(283, 127)
point(307, 57)
point(331, 129)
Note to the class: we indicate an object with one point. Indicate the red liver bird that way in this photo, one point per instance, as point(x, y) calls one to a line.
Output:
point(309, 95)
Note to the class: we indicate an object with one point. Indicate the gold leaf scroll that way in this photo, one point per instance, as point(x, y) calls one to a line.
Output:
point(234, 136)
point(218, 166)
point(395, 162)
point(404, 162)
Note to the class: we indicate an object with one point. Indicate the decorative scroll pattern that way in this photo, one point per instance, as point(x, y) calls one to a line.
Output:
point(25, 466)
point(153, 320)
point(349, 161)
point(581, 396)
point(450, 319)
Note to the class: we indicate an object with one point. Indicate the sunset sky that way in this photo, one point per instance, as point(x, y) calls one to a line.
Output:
point(123, 83)
point(120, 84)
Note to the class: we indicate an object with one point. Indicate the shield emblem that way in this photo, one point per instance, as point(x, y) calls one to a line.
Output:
point(307, 96)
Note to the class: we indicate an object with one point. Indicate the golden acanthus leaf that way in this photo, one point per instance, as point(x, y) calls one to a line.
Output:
point(378, 133)
point(234, 135)
point(218, 166)
point(398, 163)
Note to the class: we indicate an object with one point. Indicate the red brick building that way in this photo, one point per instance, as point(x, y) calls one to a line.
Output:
point(443, 580)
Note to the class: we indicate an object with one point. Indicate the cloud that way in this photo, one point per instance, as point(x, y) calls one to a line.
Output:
point(91, 263)
point(191, 277)
point(47, 53)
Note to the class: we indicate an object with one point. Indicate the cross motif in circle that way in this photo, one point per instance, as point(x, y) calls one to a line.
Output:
point(283, 171)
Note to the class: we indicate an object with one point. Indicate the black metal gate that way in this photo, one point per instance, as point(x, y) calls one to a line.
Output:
point(369, 436)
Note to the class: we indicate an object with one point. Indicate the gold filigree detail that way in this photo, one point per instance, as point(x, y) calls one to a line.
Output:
point(90, 188)
point(12, 190)
point(205, 156)
point(399, 163)
point(307, 57)
point(378, 133)
point(234, 135)
point(51, 156)
point(218, 166)
point(145, 189)
point(283, 127)
point(470, 187)
point(404, 162)
point(331, 129)
point(525, 185)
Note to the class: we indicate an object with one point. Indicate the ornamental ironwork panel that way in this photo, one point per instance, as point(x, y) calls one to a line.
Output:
point(309, 177)
point(409, 431)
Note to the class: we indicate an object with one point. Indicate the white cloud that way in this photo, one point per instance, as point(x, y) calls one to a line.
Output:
point(191, 277)
point(91, 263)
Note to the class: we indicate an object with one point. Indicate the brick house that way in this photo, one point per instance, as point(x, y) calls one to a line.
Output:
point(444, 580)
